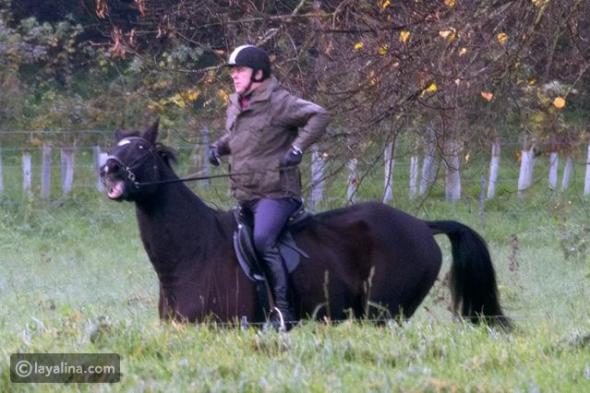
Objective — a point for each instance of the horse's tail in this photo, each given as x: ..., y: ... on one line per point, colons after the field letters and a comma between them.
x: 472, y: 278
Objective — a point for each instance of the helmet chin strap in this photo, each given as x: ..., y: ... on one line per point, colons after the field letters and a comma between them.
x: 248, y: 88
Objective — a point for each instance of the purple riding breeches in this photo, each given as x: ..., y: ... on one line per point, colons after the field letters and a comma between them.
x: 270, y: 217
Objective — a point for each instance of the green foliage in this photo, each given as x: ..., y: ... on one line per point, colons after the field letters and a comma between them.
x: 83, y: 71
x: 52, y: 79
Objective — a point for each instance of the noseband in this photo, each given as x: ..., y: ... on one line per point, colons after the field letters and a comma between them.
x: 129, y: 168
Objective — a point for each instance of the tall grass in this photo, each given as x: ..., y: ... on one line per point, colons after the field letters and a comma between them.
x: 75, y: 278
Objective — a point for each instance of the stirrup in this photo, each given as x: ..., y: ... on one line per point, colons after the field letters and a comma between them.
x: 282, y: 327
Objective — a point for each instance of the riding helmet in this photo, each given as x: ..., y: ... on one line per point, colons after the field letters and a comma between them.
x: 253, y: 57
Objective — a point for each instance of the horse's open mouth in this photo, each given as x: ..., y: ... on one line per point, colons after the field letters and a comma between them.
x: 115, y: 189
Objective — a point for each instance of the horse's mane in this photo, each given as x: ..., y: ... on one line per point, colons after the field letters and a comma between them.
x: 167, y: 154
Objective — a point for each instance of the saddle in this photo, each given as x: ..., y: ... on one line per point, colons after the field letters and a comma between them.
x: 246, y: 253
x: 251, y: 265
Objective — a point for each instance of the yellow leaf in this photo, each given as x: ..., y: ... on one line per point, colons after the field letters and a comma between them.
x: 384, y: 4
x: 448, y: 34
x: 373, y: 80
x: 404, y: 36
x: 222, y: 94
x: 537, y: 117
x: 36, y: 142
x: 358, y: 46
x: 532, y: 81
x: 487, y: 95
x: 432, y: 88
x: 450, y: 3
x: 191, y: 95
x: 153, y: 106
x: 177, y: 100
x: 538, y: 3
x: 502, y: 38
x: 462, y: 51
x: 383, y: 50
x: 559, y: 102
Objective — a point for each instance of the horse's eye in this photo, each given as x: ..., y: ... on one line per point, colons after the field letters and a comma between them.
x: 140, y: 147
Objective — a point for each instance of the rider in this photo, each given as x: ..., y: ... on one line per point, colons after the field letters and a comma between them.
x: 267, y: 131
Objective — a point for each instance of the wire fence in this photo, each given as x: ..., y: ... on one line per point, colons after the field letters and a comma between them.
x: 47, y: 169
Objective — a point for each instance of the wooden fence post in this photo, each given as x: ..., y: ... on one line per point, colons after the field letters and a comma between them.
x: 494, y: 167
x: 27, y: 174
x: 46, y: 172
x: 587, y: 178
x: 317, y: 178
x: 67, y: 169
x: 553, y: 167
x: 389, y: 165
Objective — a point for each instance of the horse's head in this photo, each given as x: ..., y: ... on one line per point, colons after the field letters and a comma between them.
x: 134, y: 163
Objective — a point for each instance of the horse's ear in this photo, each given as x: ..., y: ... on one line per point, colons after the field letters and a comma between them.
x: 151, y: 134
x: 118, y: 134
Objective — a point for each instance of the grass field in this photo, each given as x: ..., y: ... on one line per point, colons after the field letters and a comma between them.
x: 75, y: 278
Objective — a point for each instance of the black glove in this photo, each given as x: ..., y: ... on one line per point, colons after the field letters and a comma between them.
x: 292, y: 157
x: 213, y: 155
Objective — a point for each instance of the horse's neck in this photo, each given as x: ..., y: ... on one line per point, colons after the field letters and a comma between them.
x: 175, y: 226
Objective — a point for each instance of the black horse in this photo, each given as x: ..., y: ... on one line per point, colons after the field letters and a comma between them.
x: 366, y: 260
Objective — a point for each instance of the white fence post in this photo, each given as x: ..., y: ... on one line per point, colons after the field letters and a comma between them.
x: 567, y: 172
x: 1, y: 173
x: 352, y: 180
x: 27, y: 174
x: 389, y: 165
x: 494, y: 167
x: 429, y: 166
x: 100, y: 159
x: 553, y: 167
x: 317, y: 177
x: 46, y: 172
x: 452, y: 170
x: 67, y: 169
x: 525, y: 176
x: 204, y: 160
x: 413, y: 176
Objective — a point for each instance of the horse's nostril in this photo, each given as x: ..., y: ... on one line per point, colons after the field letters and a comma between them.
x: 113, y: 164
x: 110, y: 166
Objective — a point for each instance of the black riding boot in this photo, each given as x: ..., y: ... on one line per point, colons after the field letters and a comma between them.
x: 279, y: 283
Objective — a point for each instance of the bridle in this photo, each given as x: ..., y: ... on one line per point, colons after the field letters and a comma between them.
x: 129, y: 168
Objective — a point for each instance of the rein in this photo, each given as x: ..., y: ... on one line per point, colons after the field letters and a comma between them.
x: 151, y: 152
x: 192, y: 178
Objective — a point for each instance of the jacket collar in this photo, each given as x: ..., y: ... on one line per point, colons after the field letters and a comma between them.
x: 262, y: 93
